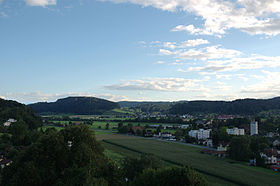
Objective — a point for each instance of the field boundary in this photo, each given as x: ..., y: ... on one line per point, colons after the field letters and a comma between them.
x: 179, y: 164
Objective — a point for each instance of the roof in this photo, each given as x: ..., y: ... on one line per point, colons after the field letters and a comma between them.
x: 270, y: 152
x: 5, y: 161
x: 135, y: 128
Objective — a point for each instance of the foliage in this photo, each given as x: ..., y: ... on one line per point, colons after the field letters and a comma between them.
x: 240, y: 106
x: 15, y: 110
x: 244, y: 148
x: 220, y: 135
x: 69, y: 157
x: 169, y: 177
x: 75, y: 105
x: 132, y: 167
x: 240, y: 148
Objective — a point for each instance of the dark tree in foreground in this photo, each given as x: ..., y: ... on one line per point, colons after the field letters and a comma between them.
x: 240, y: 148
x: 132, y: 167
x: 69, y: 157
x: 169, y: 177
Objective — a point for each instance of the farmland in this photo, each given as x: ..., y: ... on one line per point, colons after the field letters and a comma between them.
x: 114, y: 124
x: 223, y: 169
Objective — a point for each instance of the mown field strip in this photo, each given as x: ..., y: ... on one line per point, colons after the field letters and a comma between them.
x: 179, y: 154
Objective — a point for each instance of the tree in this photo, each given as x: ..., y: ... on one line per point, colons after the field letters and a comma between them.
x: 169, y: 177
x: 19, y: 131
x: 123, y: 129
x: 189, y: 139
x: 69, y: 157
x: 220, y: 136
x: 179, y: 133
x: 138, y: 132
x: 135, y: 166
x: 107, y: 126
x: 120, y: 125
x: 240, y: 148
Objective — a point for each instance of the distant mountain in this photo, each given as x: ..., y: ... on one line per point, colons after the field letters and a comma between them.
x: 240, y: 106
x: 20, y: 112
x: 75, y: 105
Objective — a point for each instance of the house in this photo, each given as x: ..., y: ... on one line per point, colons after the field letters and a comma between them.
x: 149, y: 133
x: 209, y: 143
x: 167, y: 136
x: 222, y: 146
x: 9, y: 122
x: 134, y: 129
x: 183, y: 126
x: 225, y: 117
x: 236, y: 131
x: 5, y: 162
x: 270, y: 134
x: 276, y: 143
x: 270, y: 156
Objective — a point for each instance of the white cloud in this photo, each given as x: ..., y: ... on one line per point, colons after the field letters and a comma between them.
x: 254, y: 17
x: 160, y: 84
x: 185, y: 44
x: 160, y: 62
x: 3, y: 14
x: 268, y: 87
x: 211, y: 52
x: 165, y: 52
x: 234, y: 64
x: 40, y: 2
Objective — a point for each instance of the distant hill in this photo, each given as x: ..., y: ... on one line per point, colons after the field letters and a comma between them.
x: 240, y: 106
x: 75, y: 105
x: 18, y: 111
x: 147, y: 106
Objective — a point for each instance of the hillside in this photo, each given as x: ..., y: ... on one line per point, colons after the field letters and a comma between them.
x: 148, y: 107
x: 18, y: 111
x: 75, y: 105
x: 240, y: 106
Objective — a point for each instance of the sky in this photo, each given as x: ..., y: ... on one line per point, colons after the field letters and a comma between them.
x: 152, y: 50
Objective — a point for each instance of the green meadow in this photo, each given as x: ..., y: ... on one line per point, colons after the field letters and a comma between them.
x: 221, y: 170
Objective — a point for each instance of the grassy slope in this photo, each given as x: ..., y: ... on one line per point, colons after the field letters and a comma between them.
x: 117, y: 153
x: 183, y: 154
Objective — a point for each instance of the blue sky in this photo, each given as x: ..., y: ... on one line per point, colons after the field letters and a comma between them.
x: 151, y: 50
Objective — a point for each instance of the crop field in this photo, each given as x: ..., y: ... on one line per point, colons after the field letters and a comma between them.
x: 221, y: 169
x: 109, y: 136
x: 112, y: 125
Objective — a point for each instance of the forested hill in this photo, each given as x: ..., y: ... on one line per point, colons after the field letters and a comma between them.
x: 240, y: 106
x: 75, y: 105
x: 22, y: 113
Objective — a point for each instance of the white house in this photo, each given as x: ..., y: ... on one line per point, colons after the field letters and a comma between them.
x: 236, y: 131
x: 183, y: 126
x: 9, y: 122
x: 200, y: 134
x: 270, y: 156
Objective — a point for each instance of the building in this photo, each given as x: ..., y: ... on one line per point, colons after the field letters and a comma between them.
x: 270, y: 156
x: 236, y: 131
x: 140, y: 129
x: 253, y: 128
x: 9, y: 122
x: 183, y: 126
x: 200, y: 134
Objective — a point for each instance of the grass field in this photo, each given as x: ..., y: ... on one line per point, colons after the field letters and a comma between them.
x: 113, y: 124
x: 224, y: 171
